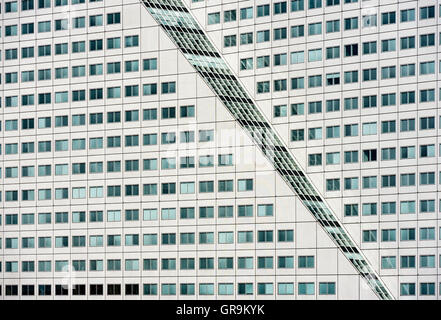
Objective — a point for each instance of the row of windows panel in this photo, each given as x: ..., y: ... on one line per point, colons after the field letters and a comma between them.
x: 149, y: 214
x: 115, y: 240
x: 131, y: 166
x: 99, y: 117
x: 79, y: 71
x: 94, y: 94
x: 367, y: 128
x: 352, y: 76
x: 316, y: 81
x: 148, y: 139
x: 62, y: 24
x: 390, y: 208
x: 169, y: 289
x: 267, y: 288
x: 386, y: 181
x: 405, y: 234
x: 298, y: 31
x: 371, y: 155
x: 206, y: 263
x: 387, y: 18
x: 353, y: 103
x: 151, y: 264
x: 76, y: 47
x: 26, y: 5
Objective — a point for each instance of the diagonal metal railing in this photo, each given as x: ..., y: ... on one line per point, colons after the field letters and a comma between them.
x: 179, y: 24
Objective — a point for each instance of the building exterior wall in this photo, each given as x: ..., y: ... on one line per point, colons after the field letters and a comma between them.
x: 83, y: 196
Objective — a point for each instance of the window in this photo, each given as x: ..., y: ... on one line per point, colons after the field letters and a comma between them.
x: 214, y: 18
x: 388, y: 99
x: 407, y: 70
x: 370, y: 47
x: 427, y: 40
x: 369, y: 20
x: 388, y: 126
x: 388, y: 208
x: 351, y: 130
x: 407, y: 234
x: 297, y: 109
x: 262, y: 36
x: 369, y: 182
x: 407, y: 15
x: 427, y: 12
x: 314, y: 4
x: 246, y: 38
x: 332, y: 158
x: 280, y: 59
x: 11, y: 30
x: 263, y: 10
x: 246, y: 64
x: 351, y: 76
x: 306, y: 288
x: 369, y: 235
x: 370, y: 74
x: 280, y: 33
x: 333, y: 132
x: 229, y: 41
x: 351, y: 103
x: 427, y: 150
x: 168, y: 87
x: 427, y: 67
x: 279, y: 7
x: 332, y: 26
x: 388, y: 235
x: 27, y: 28
x: 327, y: 288
x: 229, y: 15
x: 315, y: 81
x: 280, y: 111
x: 388, y: 72
x: 332, y: 79
x: 113, y: 18
x: 427, y: 233
x: 297, y: 31
x: 280, y: 85
x: 407, y: 43
x: 297, y: 5
x: 351, y: 183
x: 351, y: 23
x: 388, y: 154
x: 131, y: 41
x: 427, y: 123
x: 332, y: 53
x: 315, y: 28
x: 225, y: 185
x: 427, y: 95
x: 407, y: 179
x: 315, y: 159
x: 263, y: 62
x: 369, y: 128
x: 388, y: 17
x: 351, y: 50
x: 297, y: 83
x: 427, y: 206
x: 78, y: 46
x: 11, y: 6
x: 388, y: 262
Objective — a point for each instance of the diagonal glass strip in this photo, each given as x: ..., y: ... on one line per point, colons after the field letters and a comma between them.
x: 174, y: 17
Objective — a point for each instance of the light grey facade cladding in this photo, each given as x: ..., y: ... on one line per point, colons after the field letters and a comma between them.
x: 122, y: 162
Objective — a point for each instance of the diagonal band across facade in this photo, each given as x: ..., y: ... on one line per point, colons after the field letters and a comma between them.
x: 182, y: 28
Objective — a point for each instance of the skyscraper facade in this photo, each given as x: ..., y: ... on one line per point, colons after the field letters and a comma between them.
x: 187, y: 149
